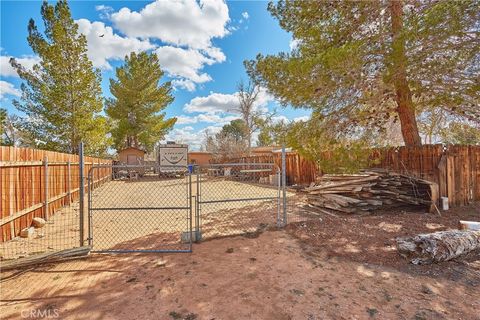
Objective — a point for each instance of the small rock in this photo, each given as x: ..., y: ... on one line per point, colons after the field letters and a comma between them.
x: 372, y: 312
x: 426, y: 289
x: 161, y: 263
x: 297, y: 292
x: 229, y: 250
x: 38, y: 222
x: 27, y: 232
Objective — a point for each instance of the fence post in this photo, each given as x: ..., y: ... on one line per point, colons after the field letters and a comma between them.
x: 284, y: 184
x: 81, y: 190
x: 45, y: 191
x: 69, y: 183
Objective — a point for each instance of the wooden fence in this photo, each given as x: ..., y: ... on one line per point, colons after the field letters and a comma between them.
x: 36, y: 183
x: 456, y: 169
x: 299, y: 170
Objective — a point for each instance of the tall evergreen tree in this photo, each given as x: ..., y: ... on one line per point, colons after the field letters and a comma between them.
x: 138, y: 102
x: 361, y: 63
x: 61, y: 95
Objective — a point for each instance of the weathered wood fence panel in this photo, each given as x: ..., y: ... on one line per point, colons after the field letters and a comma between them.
x: 36, y: 183
x: 299, y: 170
x: 456, y: 168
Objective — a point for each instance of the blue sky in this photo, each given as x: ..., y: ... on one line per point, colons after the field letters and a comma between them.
x: 201, y: 46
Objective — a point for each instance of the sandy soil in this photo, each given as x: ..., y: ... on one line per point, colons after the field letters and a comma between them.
x: 371, y: 239
x: 272, y: 276
x: 153, y: 229
x: 325, y: 267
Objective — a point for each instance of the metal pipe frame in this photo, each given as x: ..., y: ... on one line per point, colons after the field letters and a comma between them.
x: 236, y: 200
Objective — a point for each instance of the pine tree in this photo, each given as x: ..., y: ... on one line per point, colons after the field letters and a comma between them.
x: 359, y: 64
x: 61, y: 95
x: 138, y: 102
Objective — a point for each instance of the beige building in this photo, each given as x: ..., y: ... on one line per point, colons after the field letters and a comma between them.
x: 200, y: 158
x: 131, y: 156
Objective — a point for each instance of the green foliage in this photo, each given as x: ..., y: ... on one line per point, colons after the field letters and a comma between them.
x: 237, y: 129
x: 273, y: 133
x: 346, y: 61
x: 315, y: 141
x: 3, y: 120
x: 264, y: 138
x: 138, y: 102
x: 61, y: 96
x: 461, y: 133
x: 230, y: 142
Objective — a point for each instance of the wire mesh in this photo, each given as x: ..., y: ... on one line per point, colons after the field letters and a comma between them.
x: 142, y: 209
x: 40, y: 209
x: 237, y: 198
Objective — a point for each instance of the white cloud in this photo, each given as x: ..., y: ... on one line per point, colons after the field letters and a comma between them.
x: 188, y: 85
x: 103, y: 44
x: 194, y: 139
x: 302, y: 118
x: 6, y: 70
x: 185, y: 120
x: 280, y: 118
x: 104, y: 10
x: 182, y: 23
x: 6, y: 88
x: 185, y: 64
x: 294, y: 44
x: 223, y: 103
x: 206, y: 118
x: 214, y: 102
x: 245, y: 15
x: 188, y: 128
x: 186, y: 29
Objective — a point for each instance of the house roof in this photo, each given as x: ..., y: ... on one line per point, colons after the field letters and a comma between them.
x: 264, y: 149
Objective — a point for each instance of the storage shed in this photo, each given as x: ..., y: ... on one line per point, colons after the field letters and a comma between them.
x: 131, y: 156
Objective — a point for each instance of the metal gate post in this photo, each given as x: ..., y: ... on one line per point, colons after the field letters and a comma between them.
x: 89, y: 212
x: 190, y: 206
x: 279, y: 187
x: 81, y: 191
x: 284, y: 184
x: 197, y: 208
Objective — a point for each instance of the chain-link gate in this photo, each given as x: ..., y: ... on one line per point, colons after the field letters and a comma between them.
x: 237, y: 198
x: 165, y: 209
x: 141, y: 209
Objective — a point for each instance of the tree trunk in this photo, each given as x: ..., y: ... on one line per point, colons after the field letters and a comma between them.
x: 405, y: 108
x: 438, y: 246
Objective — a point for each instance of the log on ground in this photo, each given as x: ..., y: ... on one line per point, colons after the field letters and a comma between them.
x: 438, y: 246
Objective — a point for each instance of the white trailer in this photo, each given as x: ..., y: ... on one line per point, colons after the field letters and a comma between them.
x: 172, y: 157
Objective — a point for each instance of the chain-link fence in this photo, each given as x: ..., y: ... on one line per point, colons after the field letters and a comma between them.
x: 40, y: 207
x: 142, y: 209
x: 237, y: 198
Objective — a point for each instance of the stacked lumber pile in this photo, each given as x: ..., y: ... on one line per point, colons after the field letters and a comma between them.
x: 370, y: 190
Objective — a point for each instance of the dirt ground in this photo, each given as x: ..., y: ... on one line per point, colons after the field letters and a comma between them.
x: 323, y: 268
x: 151, y: 229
